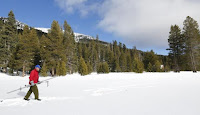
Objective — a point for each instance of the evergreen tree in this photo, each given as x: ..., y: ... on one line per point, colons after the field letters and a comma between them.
x: 56, y: 47
x: 9, y: 40
x: 123, y: 62
x: 149, y: 68
x: 176, y: 44
x: 44, y: 70
x: 35, y: 46
x: 129, y: 63
x: 93, y: 55
x: 138, y: 65
x: 115, y: 66
x: 110, y: 58
x: 58, y: 72
x: 191, y: 35
x: 167, y: 68
x: 83, y: 70
x: 103, y: 68
x: 156, y: 67
x: 70, y: 48
x: 89, y: 67
x: 45, y: 50
x: 63, y: 69
x: 150, y: 57
x: 26, y: 50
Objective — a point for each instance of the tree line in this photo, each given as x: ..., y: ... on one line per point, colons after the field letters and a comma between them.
x: 59, y: 54
x: 184, y: 46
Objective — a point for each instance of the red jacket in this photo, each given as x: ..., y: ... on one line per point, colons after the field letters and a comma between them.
x: 34, y: 76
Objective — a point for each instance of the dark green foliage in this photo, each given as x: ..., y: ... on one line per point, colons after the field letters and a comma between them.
x: 103, y: 68
x: 129, y: 63
x: 150, y: 57
x: 89, y: 66
x: 63, y: 69
x: 156, y: 67
x: 70, y: 48
x: 44, y: 70
x: 55, y: 46
x: 176, y: 44
x: 8, y: 40
x: 26, y: 49
x: 138, y: 65
x: 83, y: 69
x: 184, y: 47
x: 123, y: 62
x: 149, y: 68
x: 115, y: 66
x: 192, y: 38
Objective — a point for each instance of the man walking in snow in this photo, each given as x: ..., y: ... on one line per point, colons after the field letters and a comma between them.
x: 33, y: 80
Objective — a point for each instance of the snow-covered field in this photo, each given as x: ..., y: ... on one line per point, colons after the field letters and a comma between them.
x: 106, y: 94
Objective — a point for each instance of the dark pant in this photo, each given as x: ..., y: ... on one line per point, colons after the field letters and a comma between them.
x: 33, y: 89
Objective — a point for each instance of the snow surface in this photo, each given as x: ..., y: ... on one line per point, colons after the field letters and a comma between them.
x: 106, y: 94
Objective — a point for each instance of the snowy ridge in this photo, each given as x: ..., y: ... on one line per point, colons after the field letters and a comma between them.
x: 77, y: 36
x: 21, y: 25
x: 45, y: 30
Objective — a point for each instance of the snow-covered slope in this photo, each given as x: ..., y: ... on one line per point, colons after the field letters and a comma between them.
x: 106, y: 94
x: 21, y: 25
x: 78, y: 36
x: 45, y: 30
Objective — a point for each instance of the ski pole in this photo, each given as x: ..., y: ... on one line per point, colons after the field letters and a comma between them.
x: 27, y: 86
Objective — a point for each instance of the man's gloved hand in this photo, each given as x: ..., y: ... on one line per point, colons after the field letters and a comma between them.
x: 39, y: 82
x: 32, y: 83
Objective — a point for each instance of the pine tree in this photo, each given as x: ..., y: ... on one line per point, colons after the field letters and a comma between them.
x: 138, y: 65
x: 156, y: 67
x: 83, y: 70
x: 89, y: 67
x: 35, y: 45
x: 149, y: 57
x: 26, y: 50
x: 191, y: 35
x: 167, y: 68
x: 63, y: 69
x: 85, y: 52
x: 44, y: 70
x: 115, y: 66
x: 93, y: 55
x: 149, y: 68
x: 103, y: 68
x: 176, y: 44
x: 58, y: 72
x: 123, y: 62
x: 129, y: 62
x: 70, y: 48
x: 56, y: 47
x: 45, y: 50
x: 9, y: 39
x: 109, y: 58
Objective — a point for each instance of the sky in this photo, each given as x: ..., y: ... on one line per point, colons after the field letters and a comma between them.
x: 141, y: 23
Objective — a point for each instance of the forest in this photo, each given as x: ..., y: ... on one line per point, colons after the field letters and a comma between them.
x: 59, y: 54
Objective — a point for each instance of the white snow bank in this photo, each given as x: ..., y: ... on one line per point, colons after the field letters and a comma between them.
x: 106, y: 94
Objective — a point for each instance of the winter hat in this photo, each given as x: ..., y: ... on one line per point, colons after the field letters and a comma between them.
x: 38, y: 66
